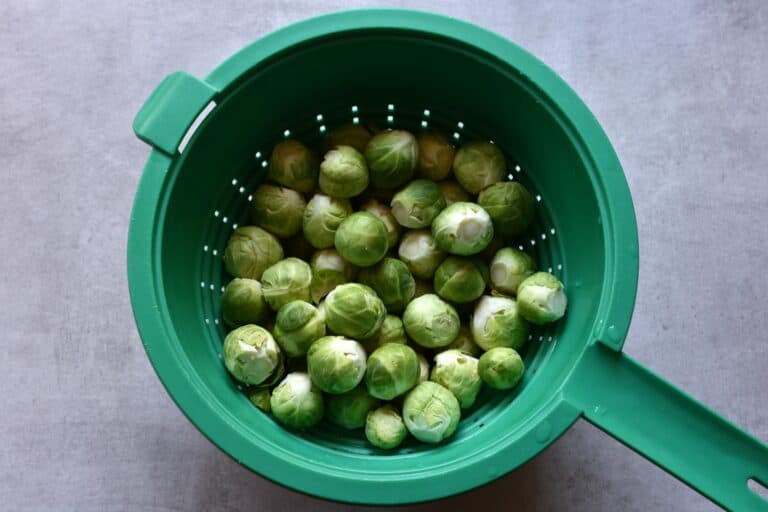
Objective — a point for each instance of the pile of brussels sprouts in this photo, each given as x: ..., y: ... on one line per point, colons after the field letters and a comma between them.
x: 377, y: 288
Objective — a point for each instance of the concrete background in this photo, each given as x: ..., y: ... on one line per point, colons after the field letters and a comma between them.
x: 680, y: 87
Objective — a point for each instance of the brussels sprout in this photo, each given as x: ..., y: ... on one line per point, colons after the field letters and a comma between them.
x: 384, y: 428
x: 497, y: 322
x: 431, y: 322
x: 322, y: 218
x: 435, y: 156
x: 298, y: 247
x: 417, y: 204
x: 541, y: 298
x: 293, y: 165
x: 509, y: 268
x: 392, y: 282
x: 392, y: 370
x: 510, y: 206
x: 285, y: 281
x: 260, y: 398
x: 362, y: 239
x: 336, y: 364
x: 452, y: 192
x: 420, y: 253
x: 431, y: 412
x: 296, y: 403
x: 501, y: 368
x: 350, y: 409
x: 343, y: 172
x: 297, y: 325
x: 463, y: 229
x: 384, y: 214
x: 251, y: 354
x: 329, y: 270
x: 392, y: 157
x: 391, y: 331
x: 354, y: 310
x: 460, y: 280
x: 278, y: 210
x: 457, y: 372
x: 243, y: 303
x: 478, y: 165
x: 250, y: 251
x: 354, y: 135
x: 465, y: 343
x: 423, y: 369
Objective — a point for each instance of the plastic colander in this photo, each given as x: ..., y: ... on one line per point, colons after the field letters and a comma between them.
x: 211, y: 140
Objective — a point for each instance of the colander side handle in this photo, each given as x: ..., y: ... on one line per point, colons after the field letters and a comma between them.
x: 670, y: 428
x: 178, y: 103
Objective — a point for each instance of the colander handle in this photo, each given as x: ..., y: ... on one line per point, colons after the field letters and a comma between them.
x: 172, y: 110
x: 670, y: 428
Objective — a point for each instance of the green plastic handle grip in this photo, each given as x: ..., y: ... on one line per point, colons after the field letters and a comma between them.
x: 171, y: 109
x: 670, y: 428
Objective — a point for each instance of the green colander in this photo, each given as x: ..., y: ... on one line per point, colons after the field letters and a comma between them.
x: 211, y: 140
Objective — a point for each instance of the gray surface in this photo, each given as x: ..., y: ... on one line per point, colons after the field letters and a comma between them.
x: 84, y: 423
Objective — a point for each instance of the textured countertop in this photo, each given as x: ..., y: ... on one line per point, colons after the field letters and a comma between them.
x: 681, y: 88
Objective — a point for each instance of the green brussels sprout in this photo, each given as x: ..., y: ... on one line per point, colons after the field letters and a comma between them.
x: 417, y: 204
x: 298, y: 247
x: 329, y: 270
x: 260, y: 398
x: 431, y: 322
x: 279, y: 210
x: 349, y: 410
x: 362, y: 239
x: 435, y: 156
x: 541, y: 298
x: 509, y: 268
x: 354, y: 310
x: 478, y: 165
x: 293, y: 165
x: 354, y: 135
x: 463, y: 229
x: 243, y: 303
x: 457, y: 372
x: 286, y: 281
x: 392, y: 157
x: 420, y: 253
x: 250, y: 251
x: 297, y: 325
x: 391, y: 331
x: 343, y: 173
x: 465, y: 343
x: 384, y: 214
x: 384, y: 428
x: 392, y: 282
x: 497, y: 322
x: 336, y: 364
x: 423, y: 369
x: 431, y: 412
x: 453, y: 193
x: 251, y: 354
x: 392, y: 369
x: 422, y: 288
x: 460, y: 280
x: 296, y: 402
x: 510, y: 206
x: 501, y: 368
x: 322, y: 218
